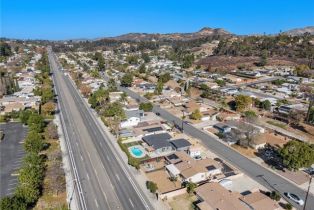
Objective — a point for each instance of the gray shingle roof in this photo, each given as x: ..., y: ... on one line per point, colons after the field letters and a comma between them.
x: 158, y: 141
x: 180, y: 143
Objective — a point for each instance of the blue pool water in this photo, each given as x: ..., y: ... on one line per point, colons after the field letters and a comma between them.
x: 136, y: 152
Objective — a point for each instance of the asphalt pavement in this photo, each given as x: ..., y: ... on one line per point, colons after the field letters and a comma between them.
x: 11, y: 156
x: 105, y: 180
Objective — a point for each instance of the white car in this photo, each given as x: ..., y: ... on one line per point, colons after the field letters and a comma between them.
x: 295, y: 198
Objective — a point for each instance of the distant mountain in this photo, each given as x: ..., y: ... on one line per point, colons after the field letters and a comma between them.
x: 300, y: 31
x: 204, y: 32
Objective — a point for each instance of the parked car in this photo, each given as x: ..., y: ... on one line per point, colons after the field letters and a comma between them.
x: 294, y: 198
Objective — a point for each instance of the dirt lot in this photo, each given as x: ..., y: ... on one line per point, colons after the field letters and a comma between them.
x: 249, y: 152
x: 183, y: 202
x: 230, y: 63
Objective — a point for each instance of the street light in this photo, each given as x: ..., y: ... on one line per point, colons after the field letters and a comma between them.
x: 308, y: 190
x: 71, y: 196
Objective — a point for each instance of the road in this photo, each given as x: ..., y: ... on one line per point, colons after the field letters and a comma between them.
x: 103, y: 180
x: 260, y: 174
x: 11, y: 156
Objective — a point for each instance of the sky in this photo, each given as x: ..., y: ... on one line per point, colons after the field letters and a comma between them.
x: 76, y: 19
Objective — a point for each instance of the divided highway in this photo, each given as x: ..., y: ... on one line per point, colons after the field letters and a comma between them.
x: 102, y: 179
x: 260, y: 174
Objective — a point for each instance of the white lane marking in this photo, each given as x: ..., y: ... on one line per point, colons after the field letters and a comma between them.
x: 108, y: 158
x: 131, y: 202
x: 81, y: 157
x: 87, y: 176
x: 10, y: 189
x: 14, y: 183
x: 76, y: 144
x: 96, y: 203
x: 118, y: 177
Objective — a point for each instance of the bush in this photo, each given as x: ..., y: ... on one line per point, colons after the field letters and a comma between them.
x: 12, y: 203
x: 288, y: 206
x: 33, y: 142
x: 152, y: 186
x: 190, y: 187
x: 275, y: 195
x: 24, y: 115
x: 52, y: 131
x: 36, y: 122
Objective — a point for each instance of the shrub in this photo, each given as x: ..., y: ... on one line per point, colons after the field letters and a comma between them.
x: 146, y: 107
x: 152, y: 186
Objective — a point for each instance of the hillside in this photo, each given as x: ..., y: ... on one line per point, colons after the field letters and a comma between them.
x: 204, y: 32
x: 300, y: 31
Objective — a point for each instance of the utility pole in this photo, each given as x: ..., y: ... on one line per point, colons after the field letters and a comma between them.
x: 308, y: 190
x: 182, y: 121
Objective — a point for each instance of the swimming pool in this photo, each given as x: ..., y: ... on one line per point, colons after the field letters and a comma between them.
x: 137, y: 151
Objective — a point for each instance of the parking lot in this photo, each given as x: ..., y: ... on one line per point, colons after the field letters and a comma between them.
x: 12, y: 153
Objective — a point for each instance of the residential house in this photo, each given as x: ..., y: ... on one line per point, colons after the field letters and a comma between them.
x: 173, y: 85
x: 158, y: 144
x: 13, y: 103
x: 132, y: 118
x: 181, y: 144
x: 192, y: 170
x: 259, y: 201
x: 214, y: 196
x: 222, y: 128
x: 191, y: 106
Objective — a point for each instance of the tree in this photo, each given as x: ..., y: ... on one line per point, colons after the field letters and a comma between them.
x: 101, y: 61
x: 243, y: 102
x: 190, y: 188
x: 302, y: 70
x: 146, y: 107
x: 47, y: 95
x: 296, y: 154
x: 142, y: 69
x: 196, y: 115
x: 127, y: 80
x: 85, y: 90
x: 220, y: 82
x: 132, y: 59
x: 159, y: 88
x: 24, y: 115
x: 295, y: 117
x: 112, y: 86
x: 145, y: 57
x: 36, y: 122
x: 33, y: 142
x: 266, y: 105
x: 99, y: 97
x: 48, y: 108
x: 114, y: 109
x: 263, y: 58
x: 95, y: 73
x: 164, y: 77
x: 5, y: 49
